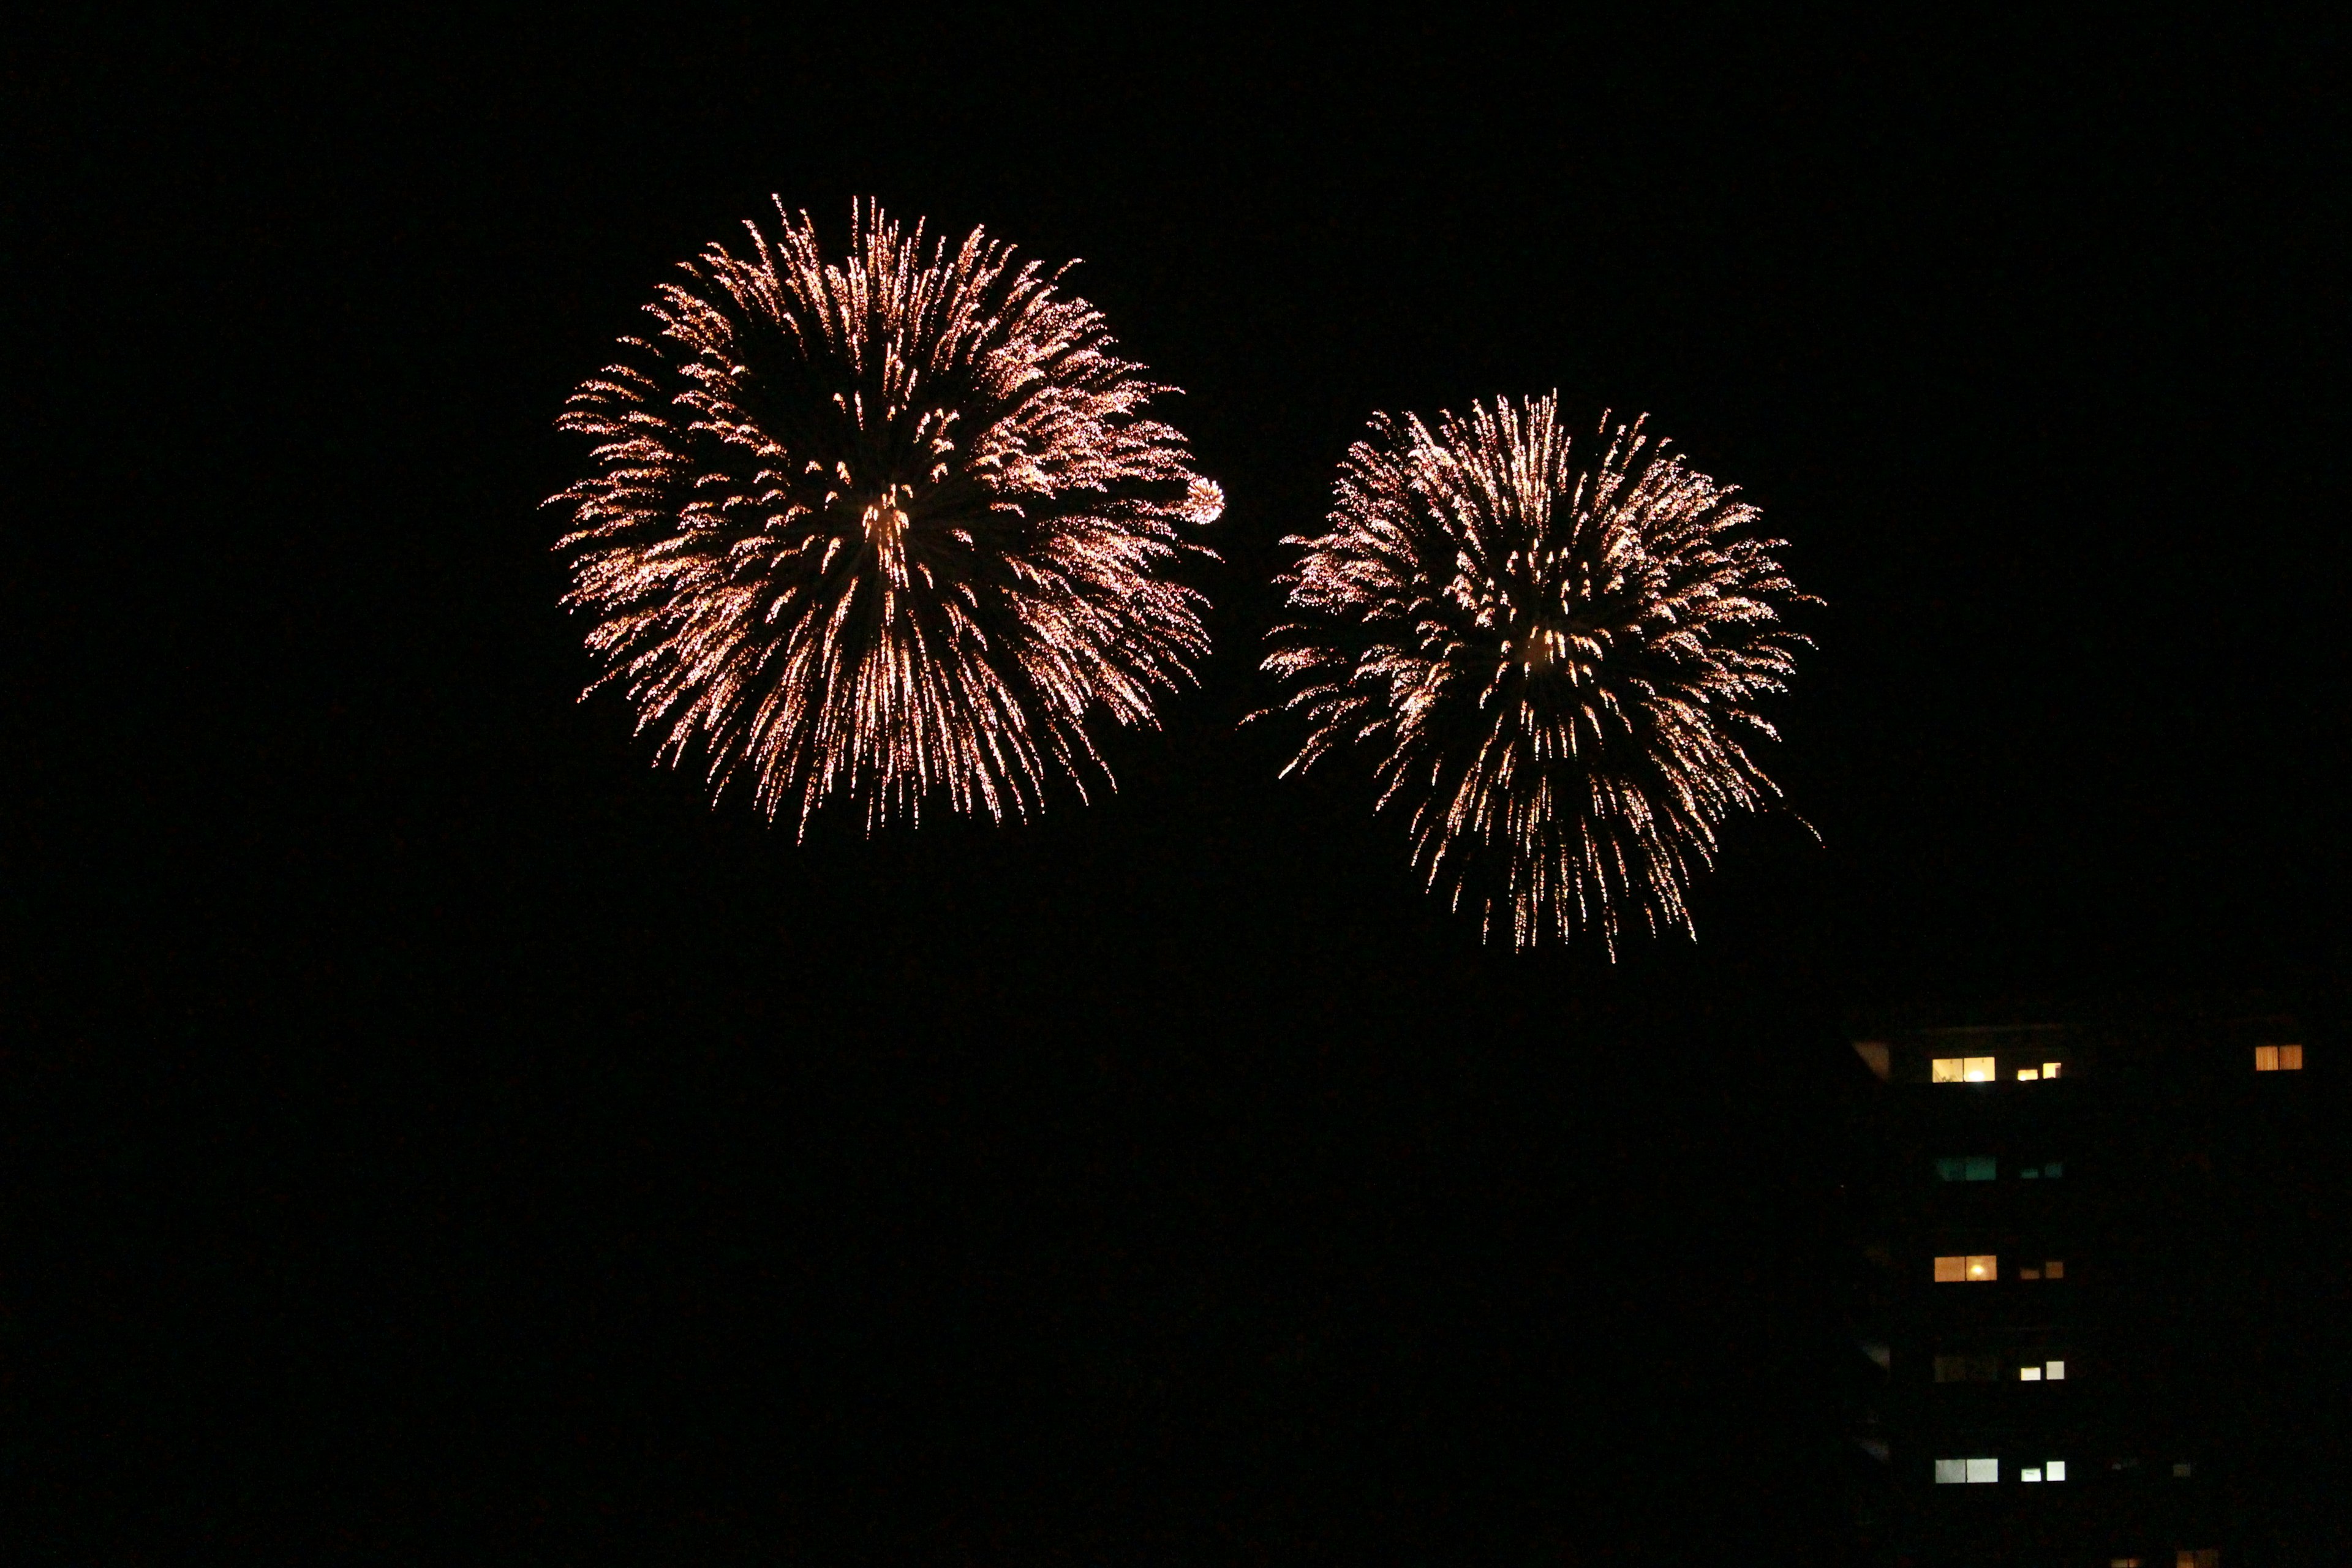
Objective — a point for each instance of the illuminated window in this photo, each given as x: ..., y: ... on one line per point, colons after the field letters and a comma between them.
x: 2123, y: 1562
x: 2032, y: 1172
x: 2052, y: 1471
x: 2050, y: 1069
x: 2053, y: 1269
x: 2205, y: 1557
x: 1961, y: 1069
x: 2278, y: 1058
x: 1967, y: 1472
x: 1968, y: 1167
x: 2028, y: 1475
x: 2180, y: 1469
x: 2029, y: 1374
x: 2055, y: 1371
x: 1968, y: 1269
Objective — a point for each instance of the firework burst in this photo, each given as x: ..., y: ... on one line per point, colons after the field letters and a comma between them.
x: 1553, y: 655
x: 889, y: 526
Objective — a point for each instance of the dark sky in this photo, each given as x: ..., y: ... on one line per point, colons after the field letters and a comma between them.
x: 441, y: 1136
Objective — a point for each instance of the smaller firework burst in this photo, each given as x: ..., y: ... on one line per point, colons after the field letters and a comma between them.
x: 1554, y: 655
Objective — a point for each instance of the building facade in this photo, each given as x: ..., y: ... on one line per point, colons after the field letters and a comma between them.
x: 2101, y: 1266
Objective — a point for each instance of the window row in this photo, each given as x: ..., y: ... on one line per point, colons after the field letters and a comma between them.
x: 1987, y: 1069
x: 1983, y: 1472
x: 1987, y: 1168
x: 1989, y: 1367
x: 1983, y: 1268
x: 2186, y: 1557
x: 1984, y: 1070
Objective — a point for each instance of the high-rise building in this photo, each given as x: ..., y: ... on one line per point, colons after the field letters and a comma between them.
x: 2102, y: 1265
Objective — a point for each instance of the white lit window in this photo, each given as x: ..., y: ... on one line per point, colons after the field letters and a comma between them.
x: 2053, y: 1471
x: 1967, y: 1472
x: 1966, y: 1269
x: 2028, y: 1475
x: 2029, y: 1374
x: 2054, y: 1370
x: 1961, y: 1069
x: 2278, y: 1058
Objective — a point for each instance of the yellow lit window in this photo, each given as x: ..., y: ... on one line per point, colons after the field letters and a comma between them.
x: 2027, y: 1075
x: 2205, y: 1557
x: 2278, y: 1058
x: 2053, y: 1269
x: 1967, y: 1269
x: 1961, y: 1069
x: 2050, y: 1069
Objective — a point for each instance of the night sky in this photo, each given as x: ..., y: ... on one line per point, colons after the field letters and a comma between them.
x: 436, y: 1134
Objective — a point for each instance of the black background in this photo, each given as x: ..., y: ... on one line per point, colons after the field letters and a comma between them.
x: 437, y: 1135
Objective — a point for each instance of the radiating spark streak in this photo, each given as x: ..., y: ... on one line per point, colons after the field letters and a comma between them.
x: 884, y: 527
x: 1554, y: 656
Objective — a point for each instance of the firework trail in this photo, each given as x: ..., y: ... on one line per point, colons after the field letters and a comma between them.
x: 881, y: 527
x: 1553, y: 657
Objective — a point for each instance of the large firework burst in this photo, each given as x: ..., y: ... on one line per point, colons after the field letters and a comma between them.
x: 881, y: 527
x: 1554, y: 656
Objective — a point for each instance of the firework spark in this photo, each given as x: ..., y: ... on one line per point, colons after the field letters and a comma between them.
x: 882, y: 527
x: 1553, y: 655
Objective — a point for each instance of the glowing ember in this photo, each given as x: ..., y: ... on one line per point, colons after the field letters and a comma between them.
x: 1554, y: 659
x: 882, y: 527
